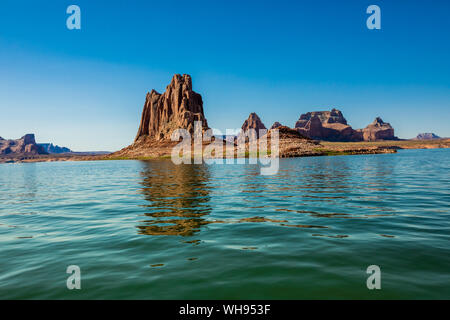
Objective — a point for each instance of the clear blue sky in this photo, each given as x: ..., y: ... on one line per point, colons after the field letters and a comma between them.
x: 85, y: 89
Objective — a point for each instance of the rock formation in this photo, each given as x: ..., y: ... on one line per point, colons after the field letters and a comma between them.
x: 378, y: 130
x: 23, y: 146
x: 178, y: 107
x: 253, y: 122
x: 327, y: 125
x: 292, y: 143
x: 51, y: 148
x: 427, y: 136
x: 275, y: 125
x: 332, y: 126
x: 333, y: 116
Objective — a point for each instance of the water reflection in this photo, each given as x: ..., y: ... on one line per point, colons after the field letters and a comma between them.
x: 29, y: 181
x: 178, y: 198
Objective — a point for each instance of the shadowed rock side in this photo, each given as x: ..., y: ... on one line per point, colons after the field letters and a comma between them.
x: 23, y: 146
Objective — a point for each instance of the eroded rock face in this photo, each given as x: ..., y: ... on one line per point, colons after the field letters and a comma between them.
x: 25, y: 145
x: 252, y: 122
x: 378, y: 130
x: 333, y: 116
x: 177, y: 108
x: 327, y: 125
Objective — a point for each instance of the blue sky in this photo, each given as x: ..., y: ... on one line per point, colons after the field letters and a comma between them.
x: 85, y: 89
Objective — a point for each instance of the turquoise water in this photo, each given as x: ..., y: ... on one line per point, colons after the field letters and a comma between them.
x: 153, y: 230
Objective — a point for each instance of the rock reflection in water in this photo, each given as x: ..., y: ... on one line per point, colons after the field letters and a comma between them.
x: 178, y: 198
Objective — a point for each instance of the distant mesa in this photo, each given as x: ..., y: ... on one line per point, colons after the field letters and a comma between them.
x: 27, y: 146
x: 54, y: 149
x: 24, y: 146
x: 427, y: 136
x: 178, y: 107
x: 332, y: 126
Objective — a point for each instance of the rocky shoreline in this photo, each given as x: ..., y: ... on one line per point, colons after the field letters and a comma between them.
x: 324, y: 148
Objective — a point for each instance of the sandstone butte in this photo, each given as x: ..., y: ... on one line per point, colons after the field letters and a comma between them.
x: 332, y: 126
x: 177, y: 108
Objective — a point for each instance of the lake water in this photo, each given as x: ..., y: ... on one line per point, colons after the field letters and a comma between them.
x: 153, y: 230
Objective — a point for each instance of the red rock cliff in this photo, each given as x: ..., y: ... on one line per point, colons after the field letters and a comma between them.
x: 178, y: 107
x: 378, y: 130
x: 327, y: 125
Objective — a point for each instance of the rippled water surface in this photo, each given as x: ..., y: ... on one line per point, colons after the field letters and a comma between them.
x: 153, y: 230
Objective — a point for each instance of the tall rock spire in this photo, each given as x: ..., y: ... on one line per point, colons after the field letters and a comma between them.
x: 177, y: 108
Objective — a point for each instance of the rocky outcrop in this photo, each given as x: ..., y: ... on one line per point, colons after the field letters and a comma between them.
x: 23, y: 146
x: 333, y: 116
x: 275, y: 125
x: 252, y: 122
x: 427, y: 136
x: 327, y: 125
x: 332, y: 126
x: 378, y: 130
x: 51, y: 148
x: 291, y: 143
x: 177, y: 108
